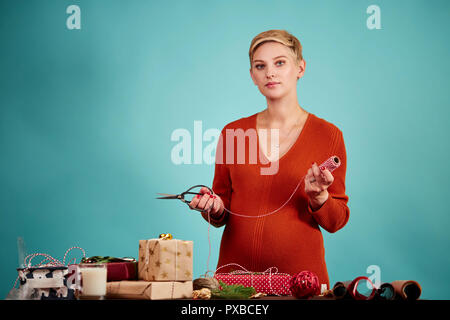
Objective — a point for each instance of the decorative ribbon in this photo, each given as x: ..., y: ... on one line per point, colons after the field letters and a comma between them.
x: 165, y: 236
x: 49, y: 261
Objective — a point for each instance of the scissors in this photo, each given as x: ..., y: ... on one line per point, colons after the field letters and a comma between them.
x: 188, y: 191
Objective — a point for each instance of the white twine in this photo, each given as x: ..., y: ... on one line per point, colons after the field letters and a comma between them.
x: 52, y: 262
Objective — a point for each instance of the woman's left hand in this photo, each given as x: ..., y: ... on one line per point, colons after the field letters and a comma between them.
x: 317, y: 181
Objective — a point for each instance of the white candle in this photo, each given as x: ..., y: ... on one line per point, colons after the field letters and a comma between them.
x: 94, y: 280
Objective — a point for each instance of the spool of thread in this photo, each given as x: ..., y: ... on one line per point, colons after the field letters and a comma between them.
x: 304, y: 285
x: 332, y: 163
x: 209, y: 283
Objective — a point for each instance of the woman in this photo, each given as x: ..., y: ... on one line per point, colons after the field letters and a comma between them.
x: 289, y: 239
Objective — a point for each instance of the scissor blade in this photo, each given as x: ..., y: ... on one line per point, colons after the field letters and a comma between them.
x: 167, y: 196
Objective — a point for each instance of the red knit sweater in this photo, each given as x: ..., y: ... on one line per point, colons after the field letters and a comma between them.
x: 290, y: 239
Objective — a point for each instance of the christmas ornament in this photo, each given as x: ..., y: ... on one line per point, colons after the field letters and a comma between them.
x: 304, y: 285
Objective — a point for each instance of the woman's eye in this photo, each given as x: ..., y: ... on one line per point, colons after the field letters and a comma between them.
x: 261, y: 65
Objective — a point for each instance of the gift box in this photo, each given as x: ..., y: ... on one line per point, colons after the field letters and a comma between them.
x: 154, y: 290
x: 268, y: 283
x: 165, y: 260
x: 45, y: 283
x: 117, y: 268
x: 117, y: 271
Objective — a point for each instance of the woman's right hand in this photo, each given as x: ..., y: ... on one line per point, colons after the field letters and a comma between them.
x: 205, y: 200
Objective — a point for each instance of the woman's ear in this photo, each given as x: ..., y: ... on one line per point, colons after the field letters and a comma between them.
x: 301, y: 69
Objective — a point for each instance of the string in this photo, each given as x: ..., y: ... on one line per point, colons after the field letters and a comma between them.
x: 240, y: 215
x: 331, y: 164
x: 52, y: 262
x: 269, y: 213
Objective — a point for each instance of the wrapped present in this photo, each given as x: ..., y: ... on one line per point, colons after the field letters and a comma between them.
x: 45, y: 283
x: 269, y: 282
x: 154, y: 290
x: 117, y: 271
x: 117, y: 268
x: 46, y: 280
x: 165, y: 260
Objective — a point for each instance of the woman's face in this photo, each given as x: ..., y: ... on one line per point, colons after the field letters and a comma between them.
x: 274, y: 62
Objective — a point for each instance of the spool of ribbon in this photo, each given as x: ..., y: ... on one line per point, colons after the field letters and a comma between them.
x: 332, y: 163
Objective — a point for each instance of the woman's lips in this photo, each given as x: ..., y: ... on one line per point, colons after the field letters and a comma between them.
x: 272, y: 84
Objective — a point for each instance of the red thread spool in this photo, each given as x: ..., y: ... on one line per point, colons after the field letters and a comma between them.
x: 332, y: 163
x: 304, y: 285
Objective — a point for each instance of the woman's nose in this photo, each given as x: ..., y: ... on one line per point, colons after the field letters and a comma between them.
x: 269, y: 73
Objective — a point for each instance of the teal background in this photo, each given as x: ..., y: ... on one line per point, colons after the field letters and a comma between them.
x: 86, y: 117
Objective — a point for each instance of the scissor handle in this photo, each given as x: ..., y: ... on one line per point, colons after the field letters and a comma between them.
x: 199, y: 185
x: 188, y: 191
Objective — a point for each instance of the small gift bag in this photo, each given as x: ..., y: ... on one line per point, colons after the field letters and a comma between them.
x: 46, y: 283
x: 165, y: 260
x: 46, y: 280
x: 269, y: 282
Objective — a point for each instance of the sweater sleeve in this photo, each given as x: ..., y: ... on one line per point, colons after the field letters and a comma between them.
x: 221, y: 182
x: 334, y: 212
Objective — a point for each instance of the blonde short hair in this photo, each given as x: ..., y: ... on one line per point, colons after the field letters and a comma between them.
x: 281, y: 36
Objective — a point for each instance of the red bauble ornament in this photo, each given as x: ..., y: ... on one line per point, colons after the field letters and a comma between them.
x: 304, y: 285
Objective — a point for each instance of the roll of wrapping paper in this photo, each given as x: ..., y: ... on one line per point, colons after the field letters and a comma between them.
x: 386, y: 292
x: 407, y: 289
x: 340, y: 289
x: 349, y: 289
